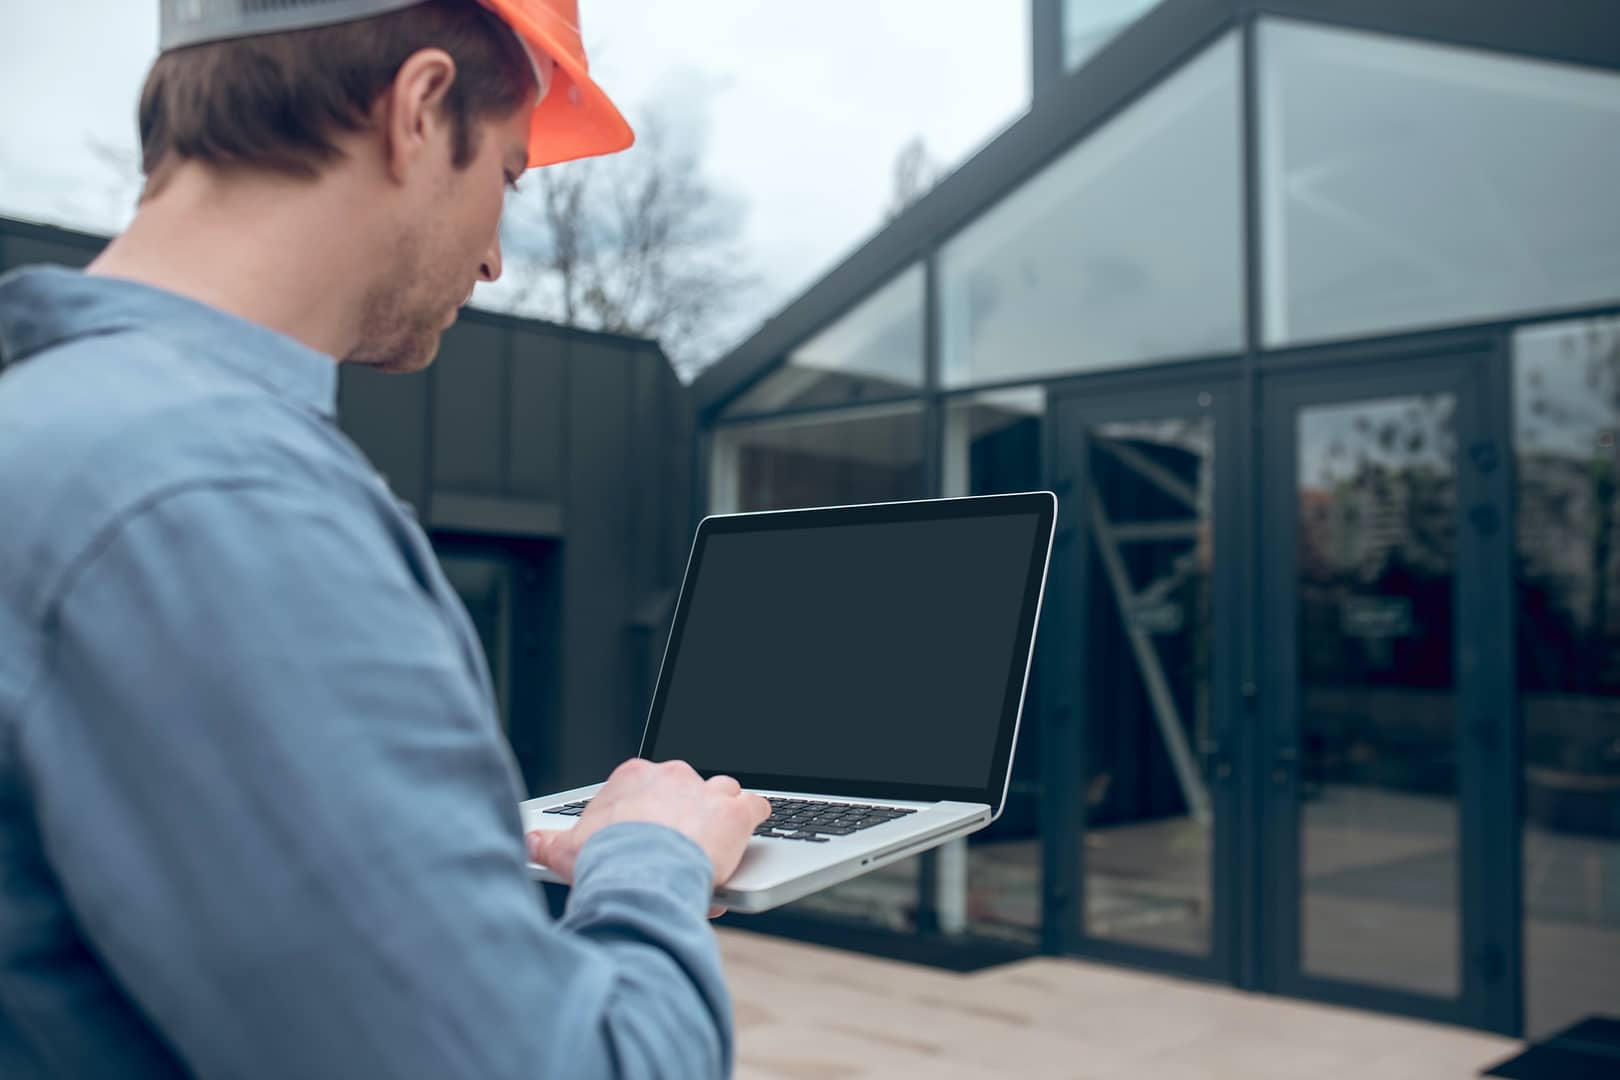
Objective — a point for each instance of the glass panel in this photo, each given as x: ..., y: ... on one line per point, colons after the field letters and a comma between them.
x: 875, y: 351
x: 1568, y: 424
x: 1088, y: 25
x: 993, y: 442
x: 1148, y: 656
x: 1377, y: 504
x: 873, y: 455
x: 1409, y: 184
x: 993, y: 445
x: 1128, y: 248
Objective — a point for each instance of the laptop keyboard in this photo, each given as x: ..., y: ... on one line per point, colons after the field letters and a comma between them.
x: 800, y: 819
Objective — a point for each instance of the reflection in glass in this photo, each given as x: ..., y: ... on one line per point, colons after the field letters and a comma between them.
x: 1150, y: 513
x: 1567, y: 408
x: 1407, y: 184
x: 859, y: 456
x: 1378, y: 825
x: 875, y: 351
x: 1125, y: 249
x: 993, y: 442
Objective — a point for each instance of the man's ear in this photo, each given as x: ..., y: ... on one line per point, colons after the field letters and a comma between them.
x: 414, y: 122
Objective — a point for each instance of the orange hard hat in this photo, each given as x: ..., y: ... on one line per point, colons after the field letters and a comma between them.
x: 575, y: 119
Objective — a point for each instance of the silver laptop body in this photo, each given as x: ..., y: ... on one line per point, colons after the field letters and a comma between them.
x: 841, y: 617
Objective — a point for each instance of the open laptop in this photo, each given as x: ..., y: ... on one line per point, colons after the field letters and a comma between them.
x: 863, y: 667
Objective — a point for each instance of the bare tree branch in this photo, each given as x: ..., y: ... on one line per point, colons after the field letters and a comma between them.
x: 915, y: 174
x: 638, y: 244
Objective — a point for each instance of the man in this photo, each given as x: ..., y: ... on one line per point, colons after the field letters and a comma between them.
x: 256, y: 817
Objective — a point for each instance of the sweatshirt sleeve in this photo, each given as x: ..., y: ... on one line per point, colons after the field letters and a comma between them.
x: 280, y: 807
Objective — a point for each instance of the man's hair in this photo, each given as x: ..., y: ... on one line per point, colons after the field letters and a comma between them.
x: 278, y: 101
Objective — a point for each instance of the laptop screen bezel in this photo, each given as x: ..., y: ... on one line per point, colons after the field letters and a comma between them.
x: 1041, y: 504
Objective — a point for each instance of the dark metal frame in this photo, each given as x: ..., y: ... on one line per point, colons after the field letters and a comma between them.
x: 1483, y: 714
x: 1067, y: 108
x: 1072, y: 414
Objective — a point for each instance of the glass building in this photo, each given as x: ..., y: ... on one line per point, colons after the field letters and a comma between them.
x: 1309, y: 311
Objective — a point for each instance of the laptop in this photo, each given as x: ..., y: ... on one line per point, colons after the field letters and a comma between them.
x: 862, y: 667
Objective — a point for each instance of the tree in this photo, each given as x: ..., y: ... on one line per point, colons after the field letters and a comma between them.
x: 915, y: 174
x: 637, y: 243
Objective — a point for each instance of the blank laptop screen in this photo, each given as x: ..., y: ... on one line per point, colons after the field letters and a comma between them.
x: 874, y: 653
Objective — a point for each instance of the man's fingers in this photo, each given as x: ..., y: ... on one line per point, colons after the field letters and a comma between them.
x: 678, y: 768
x: 727, y: 784
x: 550, y: 848
x: 541, y: 844
x: 716, y: 912
x: 631, y: 767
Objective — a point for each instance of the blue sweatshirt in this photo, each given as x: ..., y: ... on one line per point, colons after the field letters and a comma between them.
x: 256, y: 815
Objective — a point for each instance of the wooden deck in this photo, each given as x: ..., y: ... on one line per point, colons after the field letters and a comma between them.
x: 808, y: 1013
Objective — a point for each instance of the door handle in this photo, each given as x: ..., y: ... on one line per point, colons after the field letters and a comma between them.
x: 1284, y: 758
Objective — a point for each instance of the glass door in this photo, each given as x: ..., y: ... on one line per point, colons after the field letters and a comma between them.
x: 1380, y: 541
x: 1143, y: 669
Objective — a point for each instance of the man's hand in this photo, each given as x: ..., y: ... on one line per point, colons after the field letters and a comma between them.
x: 714, y: 813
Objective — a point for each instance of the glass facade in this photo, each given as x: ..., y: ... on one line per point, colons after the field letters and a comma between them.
x: 858, y: 456
x: 1567, y: 430
x: 1126, y: 249
x: 1407, y: 185
x: 992, y: 442
x: 1303, y: 732
x: 875, y: 351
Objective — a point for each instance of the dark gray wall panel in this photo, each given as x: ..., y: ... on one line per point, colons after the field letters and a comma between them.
x: 661, y: 433
x: 386, y: 415
x: 28, y: 250
x: 492, y: 515
x: 469, y: 417
x: 538, y: 673
x: 601, y: 728
x: 536, y: 416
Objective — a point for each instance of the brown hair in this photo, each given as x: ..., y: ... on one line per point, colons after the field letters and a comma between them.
x: 276, y: 101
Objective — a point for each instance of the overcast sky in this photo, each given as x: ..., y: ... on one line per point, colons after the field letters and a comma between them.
x: 807, y: 103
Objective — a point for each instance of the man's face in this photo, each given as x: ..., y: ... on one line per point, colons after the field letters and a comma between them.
x: 450, y: 242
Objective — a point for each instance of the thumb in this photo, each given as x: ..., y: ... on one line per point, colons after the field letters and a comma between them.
x: 551, y: 849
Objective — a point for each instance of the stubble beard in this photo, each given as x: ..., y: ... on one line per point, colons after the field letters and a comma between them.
x: 402, y: 316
